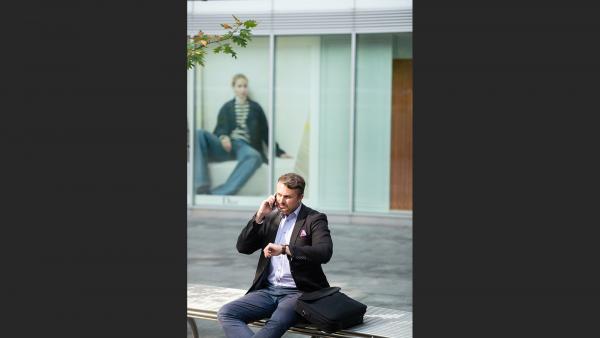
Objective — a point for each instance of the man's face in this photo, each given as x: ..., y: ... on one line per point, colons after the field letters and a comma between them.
x: 287, y: 199
x: 240, y: 88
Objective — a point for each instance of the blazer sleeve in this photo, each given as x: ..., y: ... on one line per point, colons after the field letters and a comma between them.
x: 321, y: 249
x: 252, y: 236
x: 223, y: 126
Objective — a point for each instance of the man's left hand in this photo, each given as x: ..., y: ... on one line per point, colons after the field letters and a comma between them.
x: 273, y: 249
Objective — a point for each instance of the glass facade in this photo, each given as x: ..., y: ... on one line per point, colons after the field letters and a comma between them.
x: 329, y: 107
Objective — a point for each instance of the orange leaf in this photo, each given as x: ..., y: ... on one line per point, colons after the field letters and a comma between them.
x: 226, y: 26
x: 204, y: 43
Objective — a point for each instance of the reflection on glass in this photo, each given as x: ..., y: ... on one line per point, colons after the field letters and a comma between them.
x: 312, y: 112
x: 296, y: 104
x: 334, y: 122
x: 374, y: 151
x: 241, y: 134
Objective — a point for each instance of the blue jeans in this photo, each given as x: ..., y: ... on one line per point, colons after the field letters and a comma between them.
x: 275, y: 302
x: 209, y: 149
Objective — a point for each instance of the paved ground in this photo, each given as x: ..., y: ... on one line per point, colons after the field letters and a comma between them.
x: 371, y: 263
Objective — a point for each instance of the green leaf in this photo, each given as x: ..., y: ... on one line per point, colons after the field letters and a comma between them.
x: 250, y: 23
x: 240, y: 41
x: 228, y: 50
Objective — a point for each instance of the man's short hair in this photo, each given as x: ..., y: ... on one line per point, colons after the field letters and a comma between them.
x: 293, y: 181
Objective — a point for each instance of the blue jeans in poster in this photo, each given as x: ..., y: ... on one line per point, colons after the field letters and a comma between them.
x: 208, y: 148
x: 278, y: 303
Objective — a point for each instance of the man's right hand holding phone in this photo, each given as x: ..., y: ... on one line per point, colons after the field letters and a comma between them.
x: 265, y: 208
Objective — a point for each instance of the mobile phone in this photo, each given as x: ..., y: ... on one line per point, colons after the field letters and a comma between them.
x: 274, y: 205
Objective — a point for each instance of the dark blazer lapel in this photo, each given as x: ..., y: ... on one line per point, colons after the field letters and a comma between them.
x: 299, y: 223
x: 273, y: 227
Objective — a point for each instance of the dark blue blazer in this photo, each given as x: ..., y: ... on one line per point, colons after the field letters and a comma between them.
x: 256, y: 122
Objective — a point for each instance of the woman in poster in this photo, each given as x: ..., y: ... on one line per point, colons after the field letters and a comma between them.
x: 239, y: 135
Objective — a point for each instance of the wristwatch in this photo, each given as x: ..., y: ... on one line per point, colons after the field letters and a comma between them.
x: 283, y: 250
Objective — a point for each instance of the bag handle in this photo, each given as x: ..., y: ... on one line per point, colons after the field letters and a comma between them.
x: 319, y: 293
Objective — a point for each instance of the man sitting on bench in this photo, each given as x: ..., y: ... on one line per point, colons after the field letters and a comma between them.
x: 295, y: 241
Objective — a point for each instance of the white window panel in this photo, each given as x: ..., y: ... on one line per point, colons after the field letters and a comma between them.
x: 305, y: 17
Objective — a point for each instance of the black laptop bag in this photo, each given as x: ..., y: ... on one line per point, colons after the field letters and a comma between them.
x: 330, y: 310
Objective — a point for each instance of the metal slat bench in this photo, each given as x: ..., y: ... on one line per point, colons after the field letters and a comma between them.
x: 203, y: 302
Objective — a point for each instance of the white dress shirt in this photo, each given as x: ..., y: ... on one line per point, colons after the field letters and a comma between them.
x: 279, y: 270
